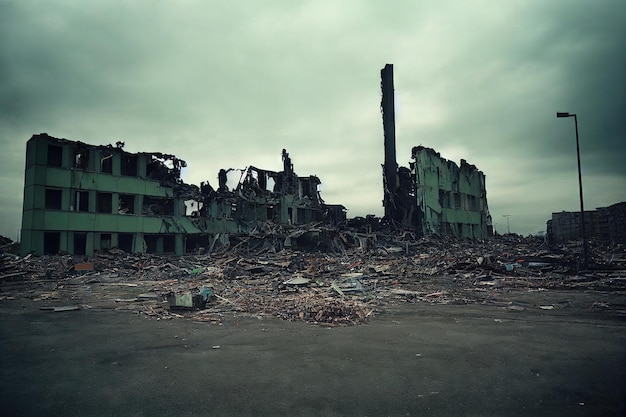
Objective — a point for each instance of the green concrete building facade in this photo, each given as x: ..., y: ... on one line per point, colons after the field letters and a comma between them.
x: 79, y: 198
x: 451, y: 199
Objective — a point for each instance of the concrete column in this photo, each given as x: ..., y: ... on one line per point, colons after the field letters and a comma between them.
x: 90, y: 245
x: 92, y: 201
x: 64, y: 243
x: 139, y: 205
x: 138, y: 243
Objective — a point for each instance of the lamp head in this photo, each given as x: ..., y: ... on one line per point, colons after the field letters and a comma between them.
x: 563, y: 114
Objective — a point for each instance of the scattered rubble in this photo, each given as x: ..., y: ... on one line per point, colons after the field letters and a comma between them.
x: 347, y: 284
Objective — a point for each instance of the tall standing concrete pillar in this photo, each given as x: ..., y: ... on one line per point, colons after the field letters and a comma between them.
x: 390, y: 167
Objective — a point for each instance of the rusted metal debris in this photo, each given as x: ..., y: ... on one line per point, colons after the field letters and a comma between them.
x: 345, y: 286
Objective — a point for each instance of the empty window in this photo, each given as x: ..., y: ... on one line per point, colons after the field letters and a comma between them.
x: 129, y: 165
x: 151, y: 243
x: 105, y: 241
x: 169, y: 244
x: 127, y: 204
x: 55, y: 156
x: 81, y: 158
x: 158, y: 206
x: 457, y: 201
x: 81, y: 202
x: 105, y: 203
x: 272, y: 213
x: 53, y: 199
x: 196, y: 244
x: 125, y: 242
x: 51, y: 243
x: 80, y: 243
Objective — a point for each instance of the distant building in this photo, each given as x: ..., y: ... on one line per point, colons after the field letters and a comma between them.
x: 79, y: 198
x: 604, y: 223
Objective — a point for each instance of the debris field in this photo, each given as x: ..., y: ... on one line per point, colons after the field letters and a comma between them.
x: 334, y: 288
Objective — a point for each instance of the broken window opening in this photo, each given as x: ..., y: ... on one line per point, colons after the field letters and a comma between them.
x: 272, y: 213
x: 155, y: 169
x: 151, y: 243
x: 309, y: 187
x: 233, y: 178
x: 193, y: 208
x: 55, y: 156
x: 278, y: 184
x: 81, y: 158
x: 125, y: 242
x: 106, y: 161
x: 270, y: 184
x: 169, y: 244
x: 126, y: 204
x: 81, y: 201
x: 51, y: 243
x: 165, y: 168
x: 196, y: 244
x: 80, y: 243
x: 105, y: 240
x: 104, y: 203
x: 53, y: 199
x: 473, y: 203
x: 129, y: 165
x: 154, y: 206
x: 457, y: 201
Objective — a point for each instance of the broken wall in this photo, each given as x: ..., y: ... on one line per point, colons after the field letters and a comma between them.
x: 451, y: 200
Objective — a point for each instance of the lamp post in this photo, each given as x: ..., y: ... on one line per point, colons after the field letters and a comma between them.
x: 508, y: 223
x: 580, y: 190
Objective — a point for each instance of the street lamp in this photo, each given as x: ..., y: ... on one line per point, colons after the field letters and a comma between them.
x: 508, y: 223
x: 580, y: 189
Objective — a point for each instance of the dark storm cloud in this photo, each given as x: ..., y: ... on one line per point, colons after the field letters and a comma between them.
x: 588, y: 43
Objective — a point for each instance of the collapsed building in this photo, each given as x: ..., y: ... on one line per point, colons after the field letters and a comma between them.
x: 79, y: 198
x: 433, y: 196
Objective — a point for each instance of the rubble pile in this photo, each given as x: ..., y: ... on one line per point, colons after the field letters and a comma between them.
x: 336, y: 288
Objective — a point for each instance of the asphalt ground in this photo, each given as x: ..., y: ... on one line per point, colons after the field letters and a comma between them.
x: 412, y: 360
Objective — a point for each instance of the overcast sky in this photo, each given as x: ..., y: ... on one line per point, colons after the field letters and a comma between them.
x: 227, y: 84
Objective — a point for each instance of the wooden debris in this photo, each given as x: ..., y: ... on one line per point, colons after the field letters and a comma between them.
x: 346, y: 286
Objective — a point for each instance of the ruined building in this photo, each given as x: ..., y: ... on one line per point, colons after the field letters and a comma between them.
x: 433, y: 196
x: 79, y: 198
